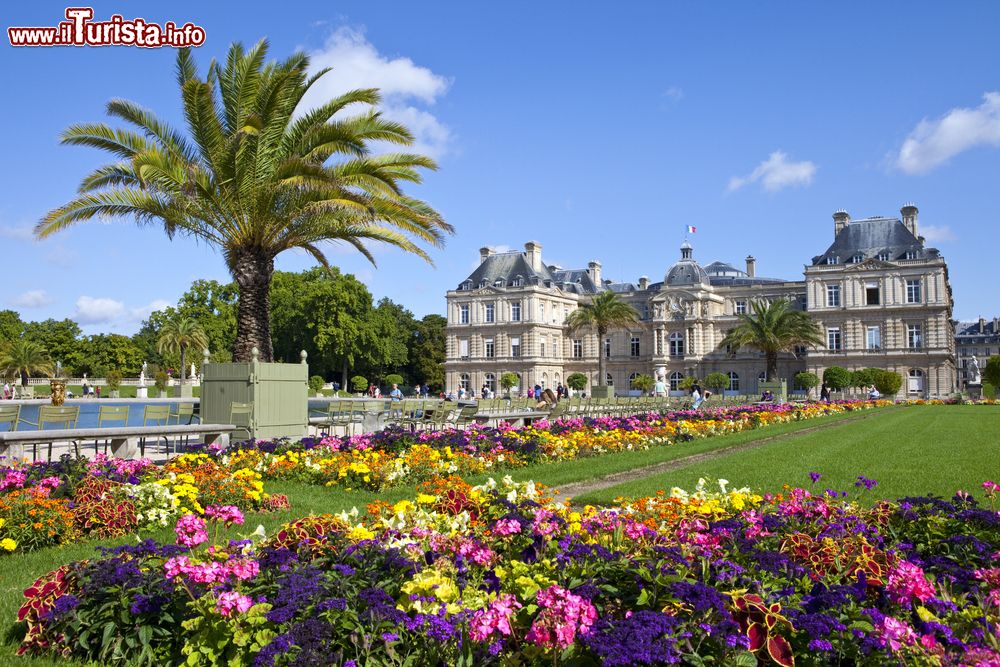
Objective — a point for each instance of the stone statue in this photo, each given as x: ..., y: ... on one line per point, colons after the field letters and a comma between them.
x: 975, y: 377
x: 142, y: 374
x: 193, y: 373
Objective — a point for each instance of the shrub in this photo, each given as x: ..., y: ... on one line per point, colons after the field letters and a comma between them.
x: 864, y: 377
x: 991, y: 372
x: 717, y: 381
x: 114, y: 380
x: 806, y: 380
x: 887, y: 382
x: 394, y: 378
x: 102, y: 509
x: 577, y: 381
x: 643, y: 383
x: 989, y: 391
x: 160, y: 380
x: 687, y: 383
x: 508, y: 381
x: 316, y: 383
x: 359, y: 383
x: 837, y: 378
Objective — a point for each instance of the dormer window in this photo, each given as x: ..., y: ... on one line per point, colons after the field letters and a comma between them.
x: 482, y: 284
x: 883, y: 256
x: 518, y: 281
x: 833, y: 260
x: 467, y: 285
x: 858, y: 258
x: 498, y: 283
x: 911, y: 254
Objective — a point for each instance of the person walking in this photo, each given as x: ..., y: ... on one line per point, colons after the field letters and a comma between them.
x: 824, y: 393
x: 396, y: 394
x: 696, y: 396
x: 660, y: 388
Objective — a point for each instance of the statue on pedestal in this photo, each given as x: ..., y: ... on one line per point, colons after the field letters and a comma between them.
x: 975, y: 375
x: 142, y: 375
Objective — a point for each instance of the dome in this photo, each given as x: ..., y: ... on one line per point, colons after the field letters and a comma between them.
x: 686, y: 271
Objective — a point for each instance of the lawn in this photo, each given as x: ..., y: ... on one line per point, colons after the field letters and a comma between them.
x: 917, y: 450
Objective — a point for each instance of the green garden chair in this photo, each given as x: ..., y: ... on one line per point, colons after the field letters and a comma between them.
x: 241, y: 416
x: 10, y: 415
x: 57, y: 416
x: 155, y: 415
x: 116, y: 414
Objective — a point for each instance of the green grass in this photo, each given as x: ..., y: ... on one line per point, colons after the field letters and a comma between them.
x: 917, y: 450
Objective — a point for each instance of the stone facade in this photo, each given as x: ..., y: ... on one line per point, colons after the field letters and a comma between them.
x: 880, y: 296
x: 980, y: 339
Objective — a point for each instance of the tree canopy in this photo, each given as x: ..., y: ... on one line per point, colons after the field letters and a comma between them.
x: 772, y: 327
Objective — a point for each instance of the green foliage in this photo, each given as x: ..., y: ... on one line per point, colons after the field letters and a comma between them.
x: 806, y: 380
x: 427, y: 351
x: 214, y: 640
x: 11, y: 326
x: 991, y: 372
x: 576, y: 381
x: 23, y: 358
x: 603, y: 313
x: 864, y: 377
x: 717, y: 381
x: 837, y: 378
x: 60, y: 338
x: 160, y: 380
x: 687, y: 383
x: 114, y: 380
x: 105, y: 351
x: 394, y: 378
x: 508, y: 381
x: 177, y: 336
x: 772, y: 327
x: 316, y: 383
x: 254, y: 178
x: 887, y: 382
x: 989, y: 391
x: 643, y: 383
x: 359, y: 383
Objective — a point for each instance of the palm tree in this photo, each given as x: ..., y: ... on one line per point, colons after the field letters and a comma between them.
x: 177, y: 335
x: 25, y: 358
x: 773, y: 327
x: 604, y: 312
x: 256, y: 174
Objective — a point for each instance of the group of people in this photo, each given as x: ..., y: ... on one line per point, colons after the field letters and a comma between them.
x: 8, y: 391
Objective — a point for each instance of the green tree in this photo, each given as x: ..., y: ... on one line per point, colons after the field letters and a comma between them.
x: 576, y: 381
x: 603, y: 313
x: 508, y: 381
x: 11, y: 326
x: 687, y: 383
x: 806, y: 380
x: 864, y: 377
x: 316, y: 383
x: 359, y: 383
x: 24, y: 358
x: 257, y: 174
x: 887, y: 382
x: 180, y: 334
x: 394, y: 378
x: 427, y: 351
x: 59, y: 338
x: 717, y: 382
x: 643, y: 383
x: 837, y: 378
x: 106, y: 352
x: 772, y: 327
x: 209, y: 303
x: 991, y: 372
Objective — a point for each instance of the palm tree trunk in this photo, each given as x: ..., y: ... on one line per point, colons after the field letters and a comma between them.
x: 252, y: 271
x: 772, y: 365
x: 601, y: 376
x: 183, y: 350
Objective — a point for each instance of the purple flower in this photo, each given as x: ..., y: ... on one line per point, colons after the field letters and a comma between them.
x: 869, y: 484
x: 814, y: 476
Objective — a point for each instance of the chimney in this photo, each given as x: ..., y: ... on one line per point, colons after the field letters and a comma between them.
x: 996, y: 326
x: 594, y: 271
x: 751, y: 266
x: 643, y: 282
x: 533, y: 253
x: 909, y: 213
x: 484, y: 252
x: 840, y: 221
x: 982, y: 325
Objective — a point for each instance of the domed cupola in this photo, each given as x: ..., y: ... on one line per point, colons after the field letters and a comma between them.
x: 686, y: 271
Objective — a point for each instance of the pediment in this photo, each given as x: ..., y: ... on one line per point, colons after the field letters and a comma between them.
x: 869, y: 265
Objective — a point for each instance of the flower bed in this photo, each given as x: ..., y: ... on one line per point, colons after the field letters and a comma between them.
x: 48, y: 504
x: 498, y: 574
x: 396, y: 456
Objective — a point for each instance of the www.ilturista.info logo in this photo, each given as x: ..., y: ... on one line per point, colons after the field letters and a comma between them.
x: 80, y: 30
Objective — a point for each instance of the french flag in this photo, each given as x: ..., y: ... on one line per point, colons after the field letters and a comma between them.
x: 691, y: 230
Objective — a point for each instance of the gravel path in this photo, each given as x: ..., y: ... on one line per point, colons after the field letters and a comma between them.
x: 574, y: 489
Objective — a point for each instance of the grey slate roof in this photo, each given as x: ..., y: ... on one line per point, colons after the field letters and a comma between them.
x: 873, y: 236
x: 508, y: 266
x: 990, y: 328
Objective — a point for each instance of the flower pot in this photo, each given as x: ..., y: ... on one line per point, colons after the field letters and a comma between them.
x: 58, y: 388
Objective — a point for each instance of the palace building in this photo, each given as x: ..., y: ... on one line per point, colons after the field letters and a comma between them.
x: 880, y: 296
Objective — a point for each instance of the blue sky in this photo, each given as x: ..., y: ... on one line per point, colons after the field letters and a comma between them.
x: 599, y: 130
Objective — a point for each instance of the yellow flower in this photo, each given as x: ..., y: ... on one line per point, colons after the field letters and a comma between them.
x: 425, y: 499
x: 8, y: 544
x: 359, y: 532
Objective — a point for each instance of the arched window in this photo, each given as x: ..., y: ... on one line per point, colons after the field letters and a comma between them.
x: 734, y: 381
x: 464, y: 381
x: 608, y: 380
x: 631, y: 378
x: 675, y: 381
x: 762, y: 377
x: 915, y: 381
x: 491, y: 382
x: 545, y: 380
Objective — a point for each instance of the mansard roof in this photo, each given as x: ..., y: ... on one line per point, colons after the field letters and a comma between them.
x: 509, y: 266
x: 871, y: 237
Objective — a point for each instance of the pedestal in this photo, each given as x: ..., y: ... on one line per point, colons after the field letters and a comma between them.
x: 975, y: 390
x: 142, y: 392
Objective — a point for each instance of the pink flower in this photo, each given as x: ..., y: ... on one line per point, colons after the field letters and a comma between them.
x: 227, y: 514
x: 190, y: 531
x: 543, y: 524
x: 908, y: 581
x: 563, y: 615
x: 230, y: 601
x: 506, y: 527
x: 14, y: 479
x: 176, y: 565
x: 495, y: 617
x: 243, y: 569
x: 896, y: 633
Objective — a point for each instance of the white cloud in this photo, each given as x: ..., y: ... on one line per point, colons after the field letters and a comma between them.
x: 33, y: 299
x: 404, y: 85
x: 776, y: 173
x: 144, y: 312
x: 937, y: 233
x: 97, y: 311
x: 934, y: 142
x: 673, y: 93
x: 17, y: 232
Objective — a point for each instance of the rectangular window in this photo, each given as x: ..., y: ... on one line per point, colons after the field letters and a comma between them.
x: 541, y: 346
x: 741, y: 307
x: 463, y: 313
x: 833, y: 340
x: 676, y: 345
x: 555, y: 347
x: 833, y: 296
x: 515, y: 311
x: 463, y: 348
x: 913, y: 338
x: 490, y: 349
x: 541, y: 312
x: 515, y: 346
x: 634, y: 344
x: 874, y: 338
x: 577, y: 349
x: 913, y: 291
x: 871, y: 294
x: 489, y: 312
x: 607, y: 348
